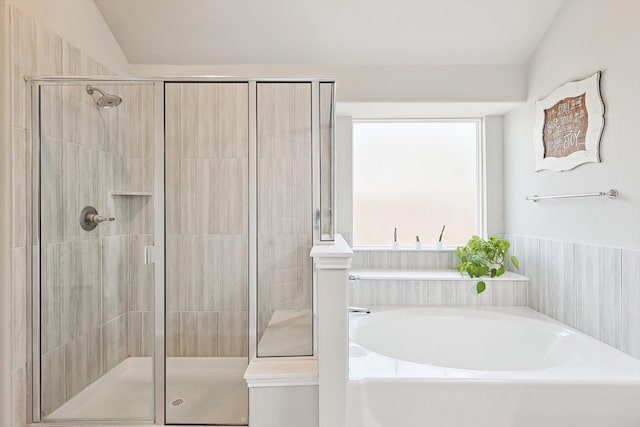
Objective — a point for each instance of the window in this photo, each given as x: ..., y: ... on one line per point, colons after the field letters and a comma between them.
x: 416, y: 175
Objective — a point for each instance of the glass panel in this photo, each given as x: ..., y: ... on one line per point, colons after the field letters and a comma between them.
x: 326, y: 161
x: 284, y: 219
x: 96, y: 292
x: 416, y: 176
x: 207, y: 252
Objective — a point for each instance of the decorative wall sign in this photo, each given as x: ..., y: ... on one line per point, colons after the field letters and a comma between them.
x: 569, y: 125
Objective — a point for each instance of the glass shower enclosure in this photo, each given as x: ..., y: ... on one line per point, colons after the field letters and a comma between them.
x: 94, y: 216
x: 171, y: 227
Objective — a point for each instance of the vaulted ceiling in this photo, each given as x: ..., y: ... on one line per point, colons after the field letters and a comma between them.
x: 349, y: 32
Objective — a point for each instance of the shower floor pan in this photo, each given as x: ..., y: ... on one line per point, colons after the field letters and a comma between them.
x: 200, y: 390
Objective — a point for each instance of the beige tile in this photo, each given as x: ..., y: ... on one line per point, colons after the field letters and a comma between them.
x: 233, y: 333
x: 233, y: 117
x: 141, y: 275
x: 115, y: 277
x: 89, y: 282
x: 76, y: 368
x: 173, y: 334
x: 95, y: 359
x: 19, y: 308
x: 207, y: 338
x: 52, y: 381
x: 232, y: 195
x: 51, y: 111
x: 188, y: 121
x: 173, y: 117
x: 141, y: 101
x: 284, y: 120
x: 114, y: 341
x: 19, y: 170
x: 70, y: 180
x: 70, y: 295
x: 172, y: 267
x: 19, y: 397
x: 51, y: 298
x: 187, y: 334
x: 23, y: 39
x: 51, y: 202
x: 76, y: 63
x: 173, y: 191
x: 134, y: 338
x: 234, y: 266
x: 146, y: 346
x: 87, y: 185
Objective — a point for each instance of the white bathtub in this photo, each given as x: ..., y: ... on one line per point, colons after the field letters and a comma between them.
x: 493, y: 367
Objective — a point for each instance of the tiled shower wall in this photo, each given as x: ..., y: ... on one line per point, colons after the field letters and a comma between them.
x: 594, y: 289
x: 95, y: 287
x: 207, y: 219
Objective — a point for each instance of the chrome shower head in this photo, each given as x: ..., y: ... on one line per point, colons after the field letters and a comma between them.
x: 106, y: 100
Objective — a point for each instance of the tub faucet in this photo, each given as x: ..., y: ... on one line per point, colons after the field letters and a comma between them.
x: 359, y: 310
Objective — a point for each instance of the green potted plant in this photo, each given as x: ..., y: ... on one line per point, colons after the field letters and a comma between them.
x: 481, y: 257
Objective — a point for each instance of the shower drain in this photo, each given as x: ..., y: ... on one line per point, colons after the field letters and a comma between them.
x: 177, y: 402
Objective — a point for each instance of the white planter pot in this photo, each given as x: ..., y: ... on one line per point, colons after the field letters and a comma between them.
x: 394, y: 245
x: 438, y: 245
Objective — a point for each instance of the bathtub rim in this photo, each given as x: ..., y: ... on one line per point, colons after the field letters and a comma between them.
x: 624, y: 370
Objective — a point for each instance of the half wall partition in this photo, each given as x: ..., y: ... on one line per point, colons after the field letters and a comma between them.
x: 172, y: 223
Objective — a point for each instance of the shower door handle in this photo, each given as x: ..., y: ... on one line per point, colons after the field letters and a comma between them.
x: 99, y: 218
x: 89, y: 218
x: 148, y: 255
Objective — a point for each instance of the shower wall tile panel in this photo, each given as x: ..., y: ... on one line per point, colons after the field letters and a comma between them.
x: 284, y: 199
x: 631, y: 302
x: 86, y: 153
x: 19, y: 167
x: 597, y: 272
x: 397, y: 259
x: 437, y: 293
x: 19, y: 312
x: 591, y: 288
x: 206, y: 216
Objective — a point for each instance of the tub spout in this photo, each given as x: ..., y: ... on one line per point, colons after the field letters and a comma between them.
x: 359, y: 310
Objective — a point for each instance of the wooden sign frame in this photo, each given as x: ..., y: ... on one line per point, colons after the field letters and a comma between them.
x: 569, y: 125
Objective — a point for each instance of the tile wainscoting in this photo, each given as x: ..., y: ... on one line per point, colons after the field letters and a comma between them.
x: 594, y: 289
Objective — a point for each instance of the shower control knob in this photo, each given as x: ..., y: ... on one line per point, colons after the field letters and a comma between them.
x: 89, y: 218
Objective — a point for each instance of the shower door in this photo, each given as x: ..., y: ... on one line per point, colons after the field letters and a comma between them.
x: 207, y: 176
x: 93, y: 210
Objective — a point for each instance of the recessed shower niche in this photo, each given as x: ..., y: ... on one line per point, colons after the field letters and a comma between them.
x: 200, y: 202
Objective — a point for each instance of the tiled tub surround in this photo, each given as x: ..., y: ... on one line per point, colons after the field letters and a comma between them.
x: 419, y: 259
x: 375, y: 287
x: 406, y: 355
x: 592, y: 288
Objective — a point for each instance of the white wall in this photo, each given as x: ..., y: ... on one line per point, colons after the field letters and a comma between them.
x: 493, y: 134
x: 585, y: 36
x: 80, y: 23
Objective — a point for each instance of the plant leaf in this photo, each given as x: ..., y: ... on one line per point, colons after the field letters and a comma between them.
x: 515, y: 262
x: 480, y: 287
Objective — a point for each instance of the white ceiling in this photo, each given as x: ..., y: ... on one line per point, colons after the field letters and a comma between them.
x: 349, y: 32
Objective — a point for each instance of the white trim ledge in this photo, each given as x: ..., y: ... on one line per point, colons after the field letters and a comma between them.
x: 284, y: 372
x: 332, y: 257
